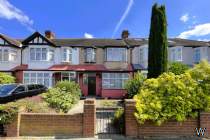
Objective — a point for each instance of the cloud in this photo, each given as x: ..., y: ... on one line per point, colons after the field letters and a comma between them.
x: 87, y: 35
x: 125, y: 14
x: 184, y: 18
x: 197, y: 31
x: 10, y: 12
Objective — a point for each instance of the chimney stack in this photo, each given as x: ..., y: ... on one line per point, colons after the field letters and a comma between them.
x: 125, y: 34
x: 49, y: 34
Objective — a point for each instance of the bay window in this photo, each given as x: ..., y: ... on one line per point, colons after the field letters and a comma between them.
x: 176, y: 54
x: 114, y: 80
x: 90, y: 55
x: 8, y: 55
x: 116, y: 54
x: 41, y: 54
x: 67, y: 55
x: 43, y: 78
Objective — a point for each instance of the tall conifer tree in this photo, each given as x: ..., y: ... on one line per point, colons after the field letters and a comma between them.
x: 158, y: 44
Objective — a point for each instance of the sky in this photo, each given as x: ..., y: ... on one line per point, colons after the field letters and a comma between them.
x: 188, y: 19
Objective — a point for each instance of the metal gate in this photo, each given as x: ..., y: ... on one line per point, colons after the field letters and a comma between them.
x: 2, y: 132
x: 104, y: 121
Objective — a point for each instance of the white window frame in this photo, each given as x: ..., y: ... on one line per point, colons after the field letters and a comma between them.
x: 196, y: 52
x: 34, y: 78
x: 10, y: 53
x: 111, y: 51
x: 90, y: 55
x: 112, y: 80
x: 176, y: 53
x: 46, y: 54
x: 67, y: 56
x: 71, y: 75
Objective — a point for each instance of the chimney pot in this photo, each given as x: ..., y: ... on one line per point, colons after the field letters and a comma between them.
x: 125, y: 34
x: 49, y: 34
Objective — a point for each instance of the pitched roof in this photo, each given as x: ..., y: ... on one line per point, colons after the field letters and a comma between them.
x: 10, y: 41
x: 171, y: 42
x: 84, y: 42
x: 187, y: 42
x: 35, y: 34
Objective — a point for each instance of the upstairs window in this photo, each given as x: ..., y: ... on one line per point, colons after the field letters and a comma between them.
x: 8, y: 55
x: 41, y: 54
x: 143, y: 55
x: 116, y: 54
x: 90, y: 55
x: 67, y: 55
x: 197, y: 55
x: 176, y: 54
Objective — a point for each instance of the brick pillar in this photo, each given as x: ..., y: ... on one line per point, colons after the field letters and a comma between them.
x: 89, y: 118
x: 131, y: 125
x: 12, y: 129
x: 205, y: 123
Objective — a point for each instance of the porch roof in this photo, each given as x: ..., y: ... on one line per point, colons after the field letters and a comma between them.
x: 78, y: 67
x: 86, y: 67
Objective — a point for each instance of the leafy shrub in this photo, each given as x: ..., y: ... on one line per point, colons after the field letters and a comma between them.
x: 201, y: 73
x: 63, y: 96
x: 168, y: 97
x: 133, y: 85
x: 70, y: 87
x: 6, y: 78
x: 8, y: 112
x: 177, y: 68
x: 119, y: 119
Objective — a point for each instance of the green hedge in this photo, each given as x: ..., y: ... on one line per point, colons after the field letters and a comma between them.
x: 169, y: 97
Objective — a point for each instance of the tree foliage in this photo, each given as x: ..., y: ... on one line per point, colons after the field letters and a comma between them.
x: 6, y: 78
x: 158, y: 44
x: 169, y: 97
x: 177, y: 68
x: 134, y: 84
x: 201, y: 74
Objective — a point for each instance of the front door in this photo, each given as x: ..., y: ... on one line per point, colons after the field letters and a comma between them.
x: 91, y: 84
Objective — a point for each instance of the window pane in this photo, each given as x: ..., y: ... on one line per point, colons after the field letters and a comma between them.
x: 44, y: 54
x: 6, y: 55
x: 51, y: 55
x: 116, y: 54
x: 32, y: 54
x: 38, y: 54
x: 26, y: 75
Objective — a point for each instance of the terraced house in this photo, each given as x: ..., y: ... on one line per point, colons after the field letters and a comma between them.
x: 100, y: 66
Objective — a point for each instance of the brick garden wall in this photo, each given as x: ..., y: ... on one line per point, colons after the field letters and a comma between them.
x: 43, y: 124
x: 51, y: 125
x: 171, y: 128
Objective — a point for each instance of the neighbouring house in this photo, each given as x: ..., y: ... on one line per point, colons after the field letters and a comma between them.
x: 100, y: 66
x: 186, y: 51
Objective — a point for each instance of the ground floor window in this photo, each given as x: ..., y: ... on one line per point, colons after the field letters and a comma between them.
x: 43, y: 78
x: 114, y: 80
x: 68, y: 76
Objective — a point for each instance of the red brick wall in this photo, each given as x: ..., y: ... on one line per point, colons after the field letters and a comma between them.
x: 51, y: 125
x: 89, y: 119
x: 113, y: 93
x: 12, y: 129
x: 170, y: 128
x: 43, y: 124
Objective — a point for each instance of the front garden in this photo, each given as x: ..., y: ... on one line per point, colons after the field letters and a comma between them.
x: 170, y: 96
x: 59, y: 99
